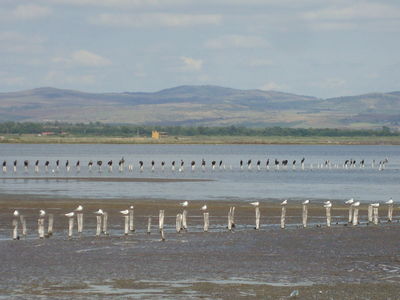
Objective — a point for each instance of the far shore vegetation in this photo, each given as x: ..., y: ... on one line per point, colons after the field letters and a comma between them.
x: 56, y: 132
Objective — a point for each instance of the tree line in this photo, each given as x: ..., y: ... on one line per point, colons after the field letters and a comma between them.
x: 127, y: 130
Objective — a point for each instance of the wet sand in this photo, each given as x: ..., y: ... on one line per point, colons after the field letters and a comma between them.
x: 341, y: 262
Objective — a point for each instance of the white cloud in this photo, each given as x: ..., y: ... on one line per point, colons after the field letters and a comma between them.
x: 366, y: 16
x: 357, y: 11
x: 272, y: 85
x: 30, y: 11
x: 15, y: 42
x: 191, y: 64
x: 84, y: 58
x: 236, y: 41
x: 155, y: 19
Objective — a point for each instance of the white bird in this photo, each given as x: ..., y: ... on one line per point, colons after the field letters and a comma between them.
x: 255, y: 204
x: 390, y: 201
x: 204, y: 207
x: 79, y: 208
x: 124, y: 212
x: 375, y: 204
x: 350, y: 201
x: 356, y: 204
x: 185, y: 204
x: 16, y: 213
x: 42, y: 213
x: 131, y: 207
x: 70, y: 215
x: 99, y: 212
x: 284, y: 202
x: 327, y: 204
x: 306, y: 202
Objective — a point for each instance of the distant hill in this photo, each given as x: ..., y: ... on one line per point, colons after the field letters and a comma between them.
x: 202, y: 105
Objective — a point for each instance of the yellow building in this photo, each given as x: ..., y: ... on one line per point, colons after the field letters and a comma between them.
x: 155, y: 135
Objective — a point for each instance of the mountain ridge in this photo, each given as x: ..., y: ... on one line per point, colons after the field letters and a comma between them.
x: 205, y: 105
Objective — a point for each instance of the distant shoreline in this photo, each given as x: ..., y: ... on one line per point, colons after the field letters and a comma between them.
x: 197, y: 140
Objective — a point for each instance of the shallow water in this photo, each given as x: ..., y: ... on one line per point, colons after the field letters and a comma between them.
x: 341, y: 262
x: 366, y: 184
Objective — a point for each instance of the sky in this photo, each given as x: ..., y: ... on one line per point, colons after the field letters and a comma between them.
x: 322, y: 48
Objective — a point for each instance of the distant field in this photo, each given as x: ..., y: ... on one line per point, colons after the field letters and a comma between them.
x: 358, y: 140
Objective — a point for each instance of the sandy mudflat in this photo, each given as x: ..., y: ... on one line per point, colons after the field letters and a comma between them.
x: 341, y: 262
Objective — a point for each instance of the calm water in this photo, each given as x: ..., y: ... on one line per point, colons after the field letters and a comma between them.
x: 368, y: 184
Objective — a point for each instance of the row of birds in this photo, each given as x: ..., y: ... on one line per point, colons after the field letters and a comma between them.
x: 328, y: 204
x: 185, y: 204
x: 350, y: 163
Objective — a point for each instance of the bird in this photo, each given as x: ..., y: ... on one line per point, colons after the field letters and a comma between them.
x: 70, y: 215
x: 90, y: 165
x: 350, y: 201
x: 131, y: 207
x: 375, y: 204
x: 306, y: 202
x: 255, y: 204
x: 390, y: 201
x: 184, y: 204
x: 204, y: 207
x: 294, y: 294
x: 284, y: 202
x: 79, y: 208
x: 42, y: 213
x: 16, y: 213
x: 356, y: 204
x: 124, y: 212
x: 99, y: 212
x: 327, y: 204
x: 203, y: 163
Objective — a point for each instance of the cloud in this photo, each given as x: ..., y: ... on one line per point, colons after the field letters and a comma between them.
x: 118, y: 3
x: 272, y: 85
x: 170, y: 3
x: 84, y: 58
x: 236, y: 41
x: 354, y: 12
x: 155, y: 19
x: 30, y: 11
x: 191, y: 3
x: 260, y: 62
x: 191, y: 64
x: 370, y: 16
x: 15, y: 42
